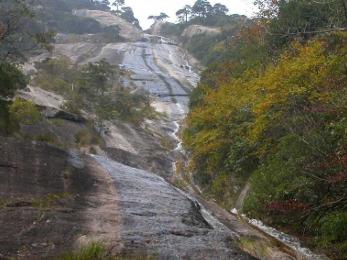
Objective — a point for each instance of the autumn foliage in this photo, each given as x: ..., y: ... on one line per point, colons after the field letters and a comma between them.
x: 278, y: 123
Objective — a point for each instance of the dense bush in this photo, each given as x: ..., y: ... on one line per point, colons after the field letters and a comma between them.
x: 270, y: 114
x: 334, y: 228
x: 277, y: 121
x: 11, y: 79
x: 24, y: 112
x: 19, y: 34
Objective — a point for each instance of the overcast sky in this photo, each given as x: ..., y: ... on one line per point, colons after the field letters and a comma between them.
x: 145, y: 8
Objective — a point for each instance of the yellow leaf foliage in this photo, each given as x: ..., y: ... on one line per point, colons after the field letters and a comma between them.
x: 302, y: 71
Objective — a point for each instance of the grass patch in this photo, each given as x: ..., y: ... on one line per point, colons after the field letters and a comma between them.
x: 254, y: 246
x: 2, y: 203
x: 47, y: 138
x: 94, y: 251
x: 86, y: 137
x: 43, y: 203
x: 49, y: 201
x: 179, y: 183
x: 98, y: 251
x: 58, y: 121
x: 24, y: 112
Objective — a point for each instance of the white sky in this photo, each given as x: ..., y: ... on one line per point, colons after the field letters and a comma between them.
x: 145, y: 8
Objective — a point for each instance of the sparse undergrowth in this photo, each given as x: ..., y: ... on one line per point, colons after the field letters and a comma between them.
x: 94, y: 251
x: 43, y: 203
x: 98, y: 251
x: 95, y: 88
x: 87, y: 137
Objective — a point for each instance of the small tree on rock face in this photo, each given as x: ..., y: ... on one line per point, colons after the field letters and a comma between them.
x: 128, y: 15
x: 202, y: 8
x: 163, y: 16
x: 184, y: 13
x: 219, y: 9
x: 158, y: 18
x: 11, y: 79
x: 118, y: 4
x: 16, y: 40
x: 103, y: 5
x: 97, y: 78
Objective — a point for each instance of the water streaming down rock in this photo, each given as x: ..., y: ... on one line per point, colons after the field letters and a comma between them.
x: 160, y: 220
x: 157, y: 218
x: 289, y: 240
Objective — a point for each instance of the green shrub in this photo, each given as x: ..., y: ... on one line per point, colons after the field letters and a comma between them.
x: 58, y: 86
x: 94, y: 88
x: 334, y: 227
x: 94, y: 251
x: 85, y: 137
x: 11, y: 79
x: 57, y: 75
x: 47, y: 138
x: 24, y: 112
x: 73, y: 105
x: 58, y: 122
x: 49, y: 201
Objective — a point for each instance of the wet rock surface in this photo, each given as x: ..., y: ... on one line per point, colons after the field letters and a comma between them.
x: 139, y: 147
x: 152, y: 162
x: 133, y: 210
x: 159, y: 220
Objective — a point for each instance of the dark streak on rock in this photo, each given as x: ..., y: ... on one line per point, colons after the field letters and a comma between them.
x: 162, y: 78
x: 194, y: 216
x: 8, y: 166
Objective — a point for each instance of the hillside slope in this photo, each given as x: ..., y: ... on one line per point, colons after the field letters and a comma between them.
x: 95, y: 154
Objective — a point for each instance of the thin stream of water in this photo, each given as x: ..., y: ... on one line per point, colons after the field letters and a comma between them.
x: 289, y: 240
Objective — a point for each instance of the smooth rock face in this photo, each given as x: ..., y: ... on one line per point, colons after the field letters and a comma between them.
x: 134, y: 211
x: 42, y: 97
x: 157, y: 219
x: 50, y: 198
x: 127, y: 30
x: 161, y: 221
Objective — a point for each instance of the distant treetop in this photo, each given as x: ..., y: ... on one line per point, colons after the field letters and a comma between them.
x: 201, y: 9
x: 158, y: 18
